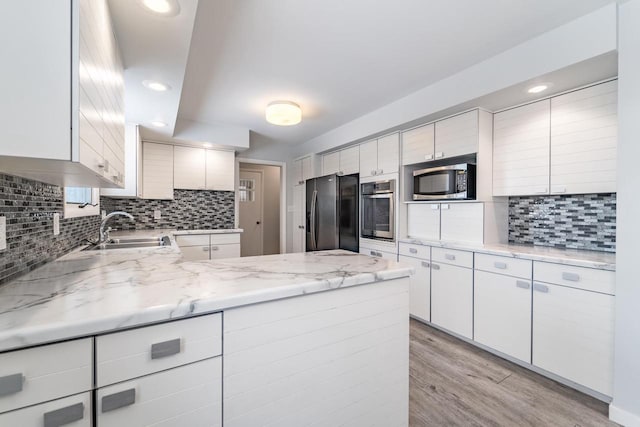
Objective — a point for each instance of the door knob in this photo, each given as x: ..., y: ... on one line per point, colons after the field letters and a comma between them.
x: 258, y: 222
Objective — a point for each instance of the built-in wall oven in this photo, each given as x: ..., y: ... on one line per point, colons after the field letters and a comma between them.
x: 378, y: 210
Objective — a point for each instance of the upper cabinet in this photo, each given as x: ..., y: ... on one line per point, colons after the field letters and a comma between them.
x: 563, y: 145
x: 418, y: 144
x: 457, y: 135
x: 157, y: 171
x: 220, y: 173
x: 303, y: 169
x: 189, y: 168
x: 343, y: 162
x: 67, y: 78
x: 380, y: 156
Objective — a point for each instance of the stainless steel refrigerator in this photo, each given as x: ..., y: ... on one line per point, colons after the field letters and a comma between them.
x: 332, y: 213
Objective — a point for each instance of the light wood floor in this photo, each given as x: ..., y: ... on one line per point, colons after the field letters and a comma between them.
x: 453, y: 383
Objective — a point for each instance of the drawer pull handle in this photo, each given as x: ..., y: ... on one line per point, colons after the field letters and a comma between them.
x: 541, y: 288
x: 500, y: 265
x: 11, y: 384
x: 118, y: 400
x: 166, y: 348
x: 450, y: 257
x: 425, y: 264
x: 214, y: 248
x: 63, y: 416
x: 435, y: 266
x: 572, y: 277
x: 205, y: 249
x: 522, y: 284
x: 413, y: 250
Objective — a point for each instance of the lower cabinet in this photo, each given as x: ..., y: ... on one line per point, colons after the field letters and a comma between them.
x: 419, y: 288
x: 74, y: 411
x: 502, y: 314
x: 190, y: 395
x: 452, y: 298
x: 199, y: 247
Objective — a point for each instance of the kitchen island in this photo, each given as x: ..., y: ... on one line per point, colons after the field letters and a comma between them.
x: 297, y: 339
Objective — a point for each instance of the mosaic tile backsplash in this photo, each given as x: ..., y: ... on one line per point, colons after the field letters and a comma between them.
x: 189, y: 210
x: 585, y: 221
x: 29, y: 207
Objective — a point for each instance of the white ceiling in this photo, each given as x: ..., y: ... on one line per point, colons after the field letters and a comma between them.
x: 338, y: 59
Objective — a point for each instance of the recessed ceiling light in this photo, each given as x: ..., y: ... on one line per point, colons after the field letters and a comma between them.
x: 538, y: 88
x: 158, y: 123
x: 156, y: 85
x: 283, y: 113
x: 162, y: 7
x: 207, y: 145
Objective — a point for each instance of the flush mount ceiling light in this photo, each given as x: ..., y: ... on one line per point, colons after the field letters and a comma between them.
x: 207, y: 145
x: 283, y: 113
x: 162, y: 7
x: 156, y: 85
x: 158, y: 123
x: 539, y: 88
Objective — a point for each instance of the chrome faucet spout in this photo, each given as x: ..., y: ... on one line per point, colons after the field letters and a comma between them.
x: 104, y: 234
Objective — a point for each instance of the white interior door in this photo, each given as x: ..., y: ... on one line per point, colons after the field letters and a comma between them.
x: 251, y: 212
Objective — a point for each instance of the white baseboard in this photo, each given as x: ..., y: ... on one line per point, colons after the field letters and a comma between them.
x: 623, y: 417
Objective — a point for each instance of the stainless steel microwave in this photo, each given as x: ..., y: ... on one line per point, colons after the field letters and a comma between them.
x: 445, y: 182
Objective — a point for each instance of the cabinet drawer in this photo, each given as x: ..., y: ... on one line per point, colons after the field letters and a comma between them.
x: 195, y: 253
x: 74, y: 411
x: 187, y: 396
x: 223, y: 239
x: 192, y: 240
x: 503, y: 265
x: 378, y: 254
x: 589, y: 279
x: 124, y: 355
x: 45, y: 373
x: 452, y: 256
x: 416, y: 251
x: 225, y: 251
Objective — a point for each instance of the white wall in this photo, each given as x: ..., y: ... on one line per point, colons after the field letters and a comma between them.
x: 625, y: 408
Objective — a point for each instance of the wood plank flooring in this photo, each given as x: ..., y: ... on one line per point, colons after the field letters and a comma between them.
x: 453, y: 383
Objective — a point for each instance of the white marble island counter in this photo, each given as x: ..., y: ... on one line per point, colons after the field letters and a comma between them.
x: 92, y: 292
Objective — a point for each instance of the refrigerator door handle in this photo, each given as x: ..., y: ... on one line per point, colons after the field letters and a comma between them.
x: 314, y: 201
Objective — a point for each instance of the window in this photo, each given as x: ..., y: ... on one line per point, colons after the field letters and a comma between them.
x: 78, y: 195
x: 81, y: 201
x: 247, y: 190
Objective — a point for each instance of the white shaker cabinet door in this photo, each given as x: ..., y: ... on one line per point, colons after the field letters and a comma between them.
x: 188, y: 168
x: 389, y: 154
x: 350, y: 160
x: 502, y: 314
x: 369, y: 158
x: 423, y: 221
x: 420, y: 288
x: 584, y: 137
x: 573, y: 335
x: 457, y: 135
x: 331, y: 163
x: 418, y: 145
x: 521, y: 150
x: 452, y: 298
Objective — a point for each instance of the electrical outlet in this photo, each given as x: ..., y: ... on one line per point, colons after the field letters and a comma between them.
x: 56, y: 224
x: 157, y: 214
x: 103, y: 214
x: 3, y: 233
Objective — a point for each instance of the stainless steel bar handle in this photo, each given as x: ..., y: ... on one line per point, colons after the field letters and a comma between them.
x: 215, y: 248
x: 500, y: 265
x: 450, y: 257
x: 540, y: 288
x: 435, y: 266
x: 413, y: 250
x: 63, y: 416
x: 426, y: 264
x: 165, y: 348
x: 572, y: 277
x: 11, y: 384
x: 523, y: 284
x: 314, y: 200
x: 118, y: 400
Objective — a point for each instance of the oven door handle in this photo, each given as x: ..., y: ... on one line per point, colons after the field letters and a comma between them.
x: 314, y: 202
x: 380, y: 196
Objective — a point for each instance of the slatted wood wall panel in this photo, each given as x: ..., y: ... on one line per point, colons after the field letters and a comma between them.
x: 333, y: 358
x: 584, y: 136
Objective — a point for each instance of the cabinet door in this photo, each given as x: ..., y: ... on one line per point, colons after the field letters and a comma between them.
x: 350, y: 160
x: 368, y: 158
x: 296, y: 172
x: 190, y: 395
x: 220, y: 166
x: 74, y: 411
x: 389, y: 154
x: 573, y: 335
x: 188, y: 168
x: 457, y: 135
x: 423, y: 221
x: 225, y: 251
x: 521, y: 150
x: 157, y: 171
x: 331, y: 163
x: 452, y: 298
x: 419, y: 288
x: 418, y: 145
x: 584, y: 137
x: 307, y: 168
x: 195, y: 253
x: 462, y: 222
x: 298, y: 218
x: 502, y: 314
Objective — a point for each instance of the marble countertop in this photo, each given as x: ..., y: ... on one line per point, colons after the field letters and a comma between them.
x: 89, y: 292
x: 210, y: 231
x: 579, y: 258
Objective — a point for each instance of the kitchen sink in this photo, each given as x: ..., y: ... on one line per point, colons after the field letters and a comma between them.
x: 131, y: 243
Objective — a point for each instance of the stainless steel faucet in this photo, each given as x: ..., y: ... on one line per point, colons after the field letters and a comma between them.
x: 104, y: 234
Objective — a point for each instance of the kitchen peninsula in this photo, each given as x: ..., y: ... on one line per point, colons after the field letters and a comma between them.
x: 151, y: 338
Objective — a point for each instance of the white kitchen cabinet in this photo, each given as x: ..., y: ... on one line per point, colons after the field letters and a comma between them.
x: 157, y: 171
x: 198, y: 247
x: 188, y: 168
x: 378, y: 253
x: 73, y: 411
x: 380, y: 156
x: 79, y: 136
x: 502, y: 313
x: 423, y: 221
x: 331, y: 163
x: 452, y: 298
x: 298, y: 219
x: 584, y: 136
x: 457, y: 135
x: 220, y: 170
x: 132, y: 165
x: 462, y: 222
x: 350, y: 160
x: 420, y: 287
x: 226, y: 250
x: 189, y: 395
x: 303, y: 169
x: 196, y: 253
x: 418, y: 144
x: 521, y: 150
